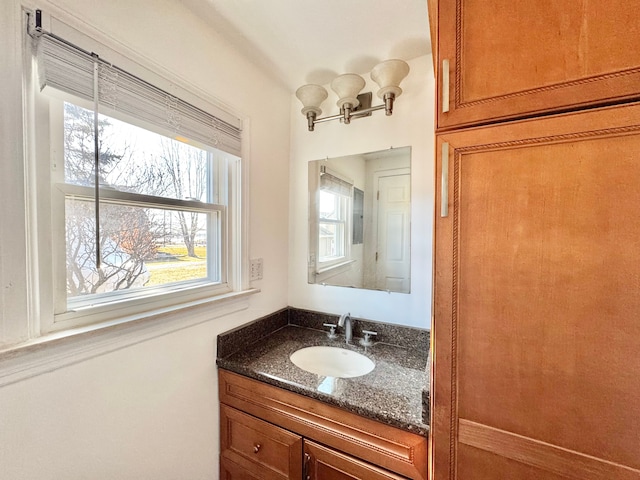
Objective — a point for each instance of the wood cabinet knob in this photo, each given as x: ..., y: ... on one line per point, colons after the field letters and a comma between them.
x: 256, y: 448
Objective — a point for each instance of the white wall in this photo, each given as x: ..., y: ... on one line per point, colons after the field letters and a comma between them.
x: 410, y: 125
x: 149, y: 410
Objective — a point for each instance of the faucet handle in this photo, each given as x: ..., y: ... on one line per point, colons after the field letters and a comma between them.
x: 367, y: 341
x: 332, y: 332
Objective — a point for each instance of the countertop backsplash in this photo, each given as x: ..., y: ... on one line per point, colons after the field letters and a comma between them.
x: 406, y: 337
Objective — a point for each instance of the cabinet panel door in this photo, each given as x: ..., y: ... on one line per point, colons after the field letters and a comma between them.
x: 262, y: 449
x: 516, y: 58
x: 536, y: 315
x: 322, y: 463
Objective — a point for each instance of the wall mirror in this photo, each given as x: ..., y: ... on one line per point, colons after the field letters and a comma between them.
x: 360, y: 221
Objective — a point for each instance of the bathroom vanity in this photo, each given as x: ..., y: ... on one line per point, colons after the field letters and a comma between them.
x: 279, y: 421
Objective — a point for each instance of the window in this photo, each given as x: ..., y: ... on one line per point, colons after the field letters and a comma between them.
x: 140, y: 206
x: 147, y: 237
x: 334, y: 224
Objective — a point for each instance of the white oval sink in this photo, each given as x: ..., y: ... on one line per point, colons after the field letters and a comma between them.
x: 332, y: 362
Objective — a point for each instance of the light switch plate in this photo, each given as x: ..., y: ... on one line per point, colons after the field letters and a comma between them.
x: 255, y: 269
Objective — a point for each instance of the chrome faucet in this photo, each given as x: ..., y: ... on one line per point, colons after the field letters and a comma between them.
x: 346, y: 322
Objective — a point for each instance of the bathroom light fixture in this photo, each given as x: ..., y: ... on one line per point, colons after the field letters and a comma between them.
x: 387, y: 75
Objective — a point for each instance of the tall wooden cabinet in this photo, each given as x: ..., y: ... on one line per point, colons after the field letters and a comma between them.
x: 536, y: 331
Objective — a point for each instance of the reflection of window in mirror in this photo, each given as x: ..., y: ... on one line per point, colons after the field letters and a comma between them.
x: 334, y: 219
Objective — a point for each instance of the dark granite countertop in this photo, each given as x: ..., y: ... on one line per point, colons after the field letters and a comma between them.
x: 392, y: 393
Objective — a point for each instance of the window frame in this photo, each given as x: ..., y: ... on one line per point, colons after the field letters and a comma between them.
x: 346, y: 221
x: 48, y: 264
x: 342, y: 222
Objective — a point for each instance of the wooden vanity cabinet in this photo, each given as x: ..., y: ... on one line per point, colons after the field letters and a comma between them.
x: 270, y: 433
x: 537, y: 268
x: 515, y: 58
x: 254, y: 449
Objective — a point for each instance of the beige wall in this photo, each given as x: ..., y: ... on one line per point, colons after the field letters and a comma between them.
x: 148, y: 410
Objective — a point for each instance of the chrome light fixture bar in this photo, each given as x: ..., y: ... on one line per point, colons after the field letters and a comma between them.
x: 387, y: 75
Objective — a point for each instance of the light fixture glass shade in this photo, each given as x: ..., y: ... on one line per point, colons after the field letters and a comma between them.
x: 347, y: 87
x: 311, y: 97
x: 388, y: 76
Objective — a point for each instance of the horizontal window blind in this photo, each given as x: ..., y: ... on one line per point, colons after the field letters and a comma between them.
x: 335, y: 185
x: 64, y: 67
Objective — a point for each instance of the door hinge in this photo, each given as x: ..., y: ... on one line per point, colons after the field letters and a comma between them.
x: 376, y: 256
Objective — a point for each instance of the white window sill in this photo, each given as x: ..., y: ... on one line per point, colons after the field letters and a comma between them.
x: 334, y: 266
x: 56, y: 350
x: 325, y: 273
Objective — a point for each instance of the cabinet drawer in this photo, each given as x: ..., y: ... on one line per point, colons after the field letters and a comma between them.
x: 233, y: 471
x: 263, y: 450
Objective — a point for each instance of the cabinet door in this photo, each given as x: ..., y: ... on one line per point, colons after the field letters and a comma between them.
x: 536, y: 314
x: 322, y: 463
x: 261, y: 449
x: 516, y: 58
